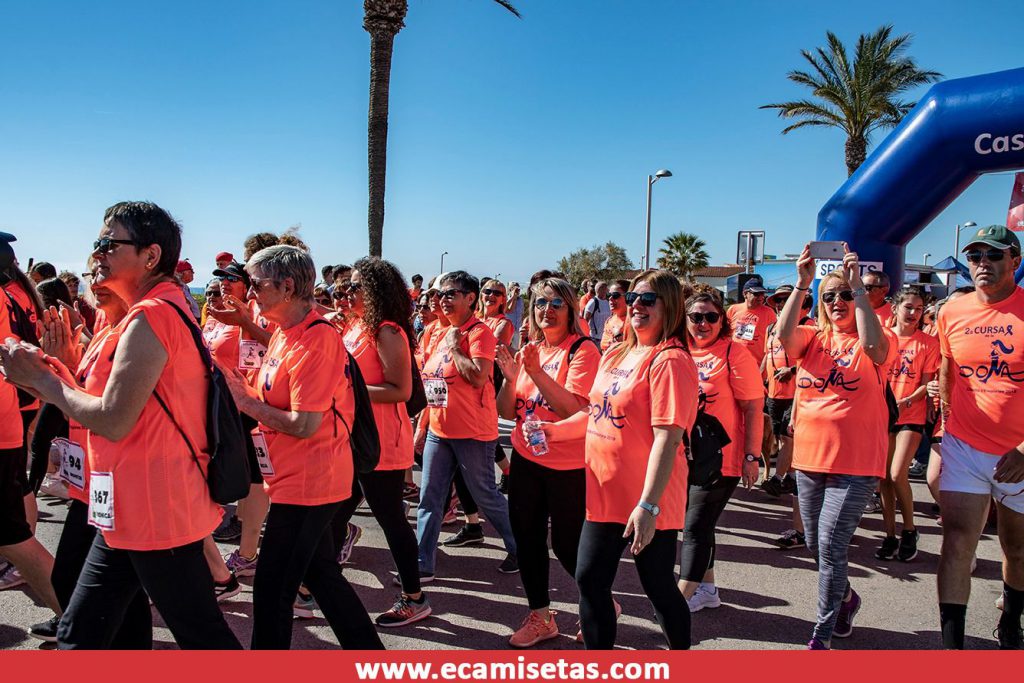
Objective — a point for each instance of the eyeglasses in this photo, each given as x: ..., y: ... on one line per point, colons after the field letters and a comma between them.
x: 555, y: 303
x: 844, y: 294
x: 259, y: 282
x: 492, y: 292
x: 697, y: 318
x: 213, y: 295
x: 353, y: 287
x: 615, y: 296
x: 105, y: 245
x: 648, y: 299
x: 231, y: 278
x: 422, y: 307
x: 874, y: 287
x: 993, y: 255
x: 323, y: 301
x: 450, y: 293
x: 338, y: 295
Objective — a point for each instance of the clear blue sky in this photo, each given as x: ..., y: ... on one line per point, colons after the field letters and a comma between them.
x: 512, y: 142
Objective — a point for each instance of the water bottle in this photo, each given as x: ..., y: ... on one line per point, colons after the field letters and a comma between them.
x: 535, y: 438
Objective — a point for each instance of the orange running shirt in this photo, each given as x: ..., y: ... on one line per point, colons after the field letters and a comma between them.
x: 749, y: 326
x: 306, y: 370
x: 885, y: 314
x: 628, y: 398
x: 842, y: 421
x: 918, y: 354
x: 728, y: 373
x: 778, y: 359
x: 160, y: 496
x: 492, y: 324
x: 223, y: 342
x: 11, y: 435
x: 471, y: 412
x: 577, y: 377
x: 614, y: 328
x: 392, y: 419
x: 986, y: 344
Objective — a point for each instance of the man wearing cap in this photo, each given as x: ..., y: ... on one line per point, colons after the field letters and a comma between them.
x: 981, y: 383
x: 877, y: 285
x: 239, y: 313
x: 778, y: 298
x: 224, y: 259
x: 185, y: 275
x: 751, y: 318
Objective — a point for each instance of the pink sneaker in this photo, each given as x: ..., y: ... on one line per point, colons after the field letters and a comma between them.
x: 534, y: 630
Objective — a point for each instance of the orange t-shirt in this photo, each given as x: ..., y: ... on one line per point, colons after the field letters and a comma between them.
x: 584, y: 300
x: 984, y: 342
x: 778, y: 359
x: 842, y: 421
x: 392, y: 419
x: 885, y: 314
x: 653, y: 388
x: 614, y: 327
x: 728, y: 373
x: 433, y: 333
x: 471, y: 412
x: 749, y: 326
x: 223, y: 342
x: 918, y: 354
x: 160, y: 495
x: 492, y: 323
x: 306, y: 370
x: 23, y: 300
x: 11, y: 435
x: 577, y: 377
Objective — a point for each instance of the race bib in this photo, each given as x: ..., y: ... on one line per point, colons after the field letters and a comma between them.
x: 745, y: 331
x: 250, y: 354
x: 437, y: 393
x: 72, y: 463
x: 259, y: 442
x: 101, y: 500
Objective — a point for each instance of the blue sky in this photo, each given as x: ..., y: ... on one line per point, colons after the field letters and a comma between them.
x: 512, y: 142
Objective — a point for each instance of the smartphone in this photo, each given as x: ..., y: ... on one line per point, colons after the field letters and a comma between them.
x: 831, y: 251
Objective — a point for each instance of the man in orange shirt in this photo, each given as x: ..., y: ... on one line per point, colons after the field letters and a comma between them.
x: 750, y: 319
x: 877, y: 283
x: 417, y: 287
x: 981, y: 382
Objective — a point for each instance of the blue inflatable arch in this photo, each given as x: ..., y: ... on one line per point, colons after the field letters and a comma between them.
x: 960, y: 130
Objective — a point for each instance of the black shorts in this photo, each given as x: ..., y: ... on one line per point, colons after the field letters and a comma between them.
x: 780, y: 410
x: 895, y: 429
x: 13, y: 482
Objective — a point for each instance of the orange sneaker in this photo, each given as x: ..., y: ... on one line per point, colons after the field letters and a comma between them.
x: 618, y: 613
x: 534, y: 630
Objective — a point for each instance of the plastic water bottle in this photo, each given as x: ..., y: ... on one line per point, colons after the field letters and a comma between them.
x: 535, y: 439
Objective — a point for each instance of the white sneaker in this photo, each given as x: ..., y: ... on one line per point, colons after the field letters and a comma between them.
x: 704, y: 597
x: 54, y: 487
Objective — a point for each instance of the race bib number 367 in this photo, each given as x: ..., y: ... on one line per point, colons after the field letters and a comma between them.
x: 101, y: 500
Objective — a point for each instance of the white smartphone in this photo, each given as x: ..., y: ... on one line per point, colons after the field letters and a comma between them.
x: 830, y: 251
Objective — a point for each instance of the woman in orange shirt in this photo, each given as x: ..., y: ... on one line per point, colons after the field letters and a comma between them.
x: 491, y: 310
x: 643, y: 401
x: 615, y: 327
x: 303, y: 400
x: 841, y: 429
x: 731, y: 382
x: 147, y: 461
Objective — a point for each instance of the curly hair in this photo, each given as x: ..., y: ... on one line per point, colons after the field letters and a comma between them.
x: 385, y: 298
x: 258, y: 242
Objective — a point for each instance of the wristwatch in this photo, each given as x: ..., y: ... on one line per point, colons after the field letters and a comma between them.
x: 650, y: 507
x: 750, y: 457
x: 860, y: 291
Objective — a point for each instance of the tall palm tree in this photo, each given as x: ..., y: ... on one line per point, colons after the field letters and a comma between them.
x: 682, y: 254
x: 858, y: 97
x: 383, y: 19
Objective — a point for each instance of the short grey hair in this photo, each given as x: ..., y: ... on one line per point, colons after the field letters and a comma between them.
x: 282, y: 261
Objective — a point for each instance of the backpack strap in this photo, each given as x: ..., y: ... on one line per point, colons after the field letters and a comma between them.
x: 576, y: 347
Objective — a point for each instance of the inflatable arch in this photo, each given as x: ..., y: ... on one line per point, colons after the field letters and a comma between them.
x: 961, y: 129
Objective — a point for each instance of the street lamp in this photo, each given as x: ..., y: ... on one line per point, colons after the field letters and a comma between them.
x: 926, y: 255
x: 651, y: 179
x: 442, y: 260
x: 956, y: 248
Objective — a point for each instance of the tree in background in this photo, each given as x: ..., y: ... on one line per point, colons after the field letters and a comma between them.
x: 605, y: 262
x: 858, y: 97
x: 682, y: 254
x: 383, y: 19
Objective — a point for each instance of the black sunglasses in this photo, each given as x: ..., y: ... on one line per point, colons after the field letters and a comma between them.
x: 697, y: 318
x: 874, y: 287
x: 615, y: 296
x: 647, y: 298
x: 993, y: 255
x: 231, y: 278
x: 422, y: 307
x: 554, y: 303
x: 213, y: 295
x: 338, y: 295
x: 492, y: 292
x: 105, y: 245
x: 353, y: 287
x: 830, y: 297
x: 450, y: 293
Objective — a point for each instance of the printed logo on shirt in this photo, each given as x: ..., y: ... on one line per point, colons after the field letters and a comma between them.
x: 605, y: 411
x: 996, y: 367
x: 836, y: 377
x: 905, y: 367
x: 527, y: 405
x: 990, y: 330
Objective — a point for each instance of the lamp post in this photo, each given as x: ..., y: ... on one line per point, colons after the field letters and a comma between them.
x: 443, y: 254
x: 956, y: 247
x: 926, y: 255
x: 651, y: 179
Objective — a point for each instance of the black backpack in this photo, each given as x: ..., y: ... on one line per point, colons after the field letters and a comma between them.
x: 228, y: 476
x: 22, y: 326
x: 418, y: 399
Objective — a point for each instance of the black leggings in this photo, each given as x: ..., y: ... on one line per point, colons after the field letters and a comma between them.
x: 536, y: 494
x: 601, y: 547
x: 297, y: 549
x: 136, y: 629
x: 469, y: 505
x: 383, y: 492
x: 704, y: 506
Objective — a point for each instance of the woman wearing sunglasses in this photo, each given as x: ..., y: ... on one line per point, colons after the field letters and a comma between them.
x: 423, y: 316
x: 615, y: 327
x: 491, y: 311
x: 643, y: 400
x: 731, y: 382
x: 841, y: 430
x: 551, y: 378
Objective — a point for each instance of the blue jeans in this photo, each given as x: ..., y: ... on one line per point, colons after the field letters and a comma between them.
x: 831, y: 506
x: 475, y: 459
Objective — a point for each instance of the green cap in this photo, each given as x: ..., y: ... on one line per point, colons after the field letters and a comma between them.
x: 995, y: 236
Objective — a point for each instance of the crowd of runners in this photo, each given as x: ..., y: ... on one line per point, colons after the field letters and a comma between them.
x: 639, y: 407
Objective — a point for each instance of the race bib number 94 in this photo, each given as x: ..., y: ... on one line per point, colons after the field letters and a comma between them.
x: 72, y: 462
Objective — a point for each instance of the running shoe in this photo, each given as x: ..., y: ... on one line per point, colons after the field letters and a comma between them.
x: 908, y: 545
x: 411, y: 492
x: 352, y: 536
x: 999, y: 602
x: 10, y: 578
x: 789, y: 485
x: 917, y: 469
x: 503, y: 490
x: 534, y: 629
x: 54, y: 487
x: 424, y: 578
x: 817, y: 644
x: 791, y: 539
x: 404, y: 611
x: 772, y: 486
x: 510, y: 565
x: 469, y: 534
x: 1009, y: 633
x: 240, y: 566
x: 228, y: 589
x: 847, y: 611
x: 303, y: 606
x: 451, y: 516
x: 229, y: 531
x: 704, y: 597
x: 890, y: 544
x: 46, y: 631
x: 874, y: 504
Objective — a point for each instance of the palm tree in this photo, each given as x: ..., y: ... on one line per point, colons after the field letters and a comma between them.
x: 383, y: 19
x: 860, y: 97
x: 683, y: 254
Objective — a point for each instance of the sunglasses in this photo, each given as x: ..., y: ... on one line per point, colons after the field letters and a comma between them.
x: 353, y: 287
x: 830, y: 297
x: 492, y: 292
x: 615, y: 296
x: 338, y: 295
x: 422, y: 307
x: 697, y: 318
x: 213, y: 295
x: 105, y: 245
x: 450, y: 293
x: 323, y: 301
x: 555, y: 303
x: 231, y: 278
x: 871, y: 288
x: 993, y: 255
x: 647, y: 298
